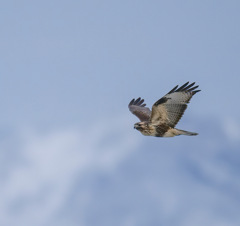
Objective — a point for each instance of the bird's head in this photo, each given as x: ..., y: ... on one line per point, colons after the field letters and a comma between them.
x: 140, y: 126
x: 145, y: 128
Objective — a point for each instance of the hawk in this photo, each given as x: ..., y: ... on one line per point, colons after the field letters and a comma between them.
x: 165, y: 114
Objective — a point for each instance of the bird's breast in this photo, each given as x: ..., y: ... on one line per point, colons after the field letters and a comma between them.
x: 161, y: 130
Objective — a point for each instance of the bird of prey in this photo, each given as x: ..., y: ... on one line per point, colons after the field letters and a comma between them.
x: 165, y: 114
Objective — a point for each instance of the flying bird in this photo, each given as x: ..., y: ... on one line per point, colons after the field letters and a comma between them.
x: 165, y: 114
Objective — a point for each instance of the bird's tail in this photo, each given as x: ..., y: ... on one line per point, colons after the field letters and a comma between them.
x: 183, y: 132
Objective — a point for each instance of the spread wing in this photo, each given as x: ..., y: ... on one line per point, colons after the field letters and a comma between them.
x: 170, y: 108
x: 137, y: 107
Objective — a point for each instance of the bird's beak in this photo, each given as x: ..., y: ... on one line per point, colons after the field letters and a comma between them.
x: 136, y: 126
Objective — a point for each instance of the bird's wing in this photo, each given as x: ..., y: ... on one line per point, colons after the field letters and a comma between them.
x: 170, y: 108
x: 137, y: 107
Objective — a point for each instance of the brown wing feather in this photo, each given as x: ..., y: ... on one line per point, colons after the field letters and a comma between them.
x: 137, y: 107
x: 170, y: 108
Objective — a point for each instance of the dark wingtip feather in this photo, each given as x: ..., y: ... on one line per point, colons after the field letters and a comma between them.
x: 131, y: 102
x: 182, y: 87
x: 173, y: 90
x: 195, y: 87
x: 141, y: 101
x: 138, y: 102
x: 196, y: 91
x: 187, y: 87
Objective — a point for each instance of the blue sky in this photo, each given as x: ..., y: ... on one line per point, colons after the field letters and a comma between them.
x: 69, y: 154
